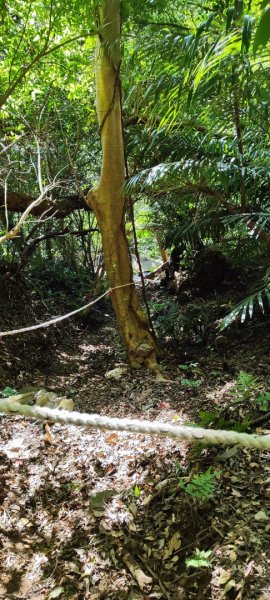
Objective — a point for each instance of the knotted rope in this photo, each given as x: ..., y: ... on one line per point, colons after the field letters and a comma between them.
x: 190, y: 434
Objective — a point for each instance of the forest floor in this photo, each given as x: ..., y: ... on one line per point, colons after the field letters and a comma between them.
x: 95, y: 515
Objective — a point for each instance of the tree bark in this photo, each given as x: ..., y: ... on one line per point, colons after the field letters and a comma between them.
x: 107, y: 200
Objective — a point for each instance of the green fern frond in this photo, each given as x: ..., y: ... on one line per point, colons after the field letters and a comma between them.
x: 201, y: 487
x: 199, y: 559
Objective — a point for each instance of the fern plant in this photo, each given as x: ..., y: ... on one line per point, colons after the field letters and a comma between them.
x: 200, y: 487
x: 199, y: 558
x: 263, y: 401
x: 7, y: 391
x: 246, y: 384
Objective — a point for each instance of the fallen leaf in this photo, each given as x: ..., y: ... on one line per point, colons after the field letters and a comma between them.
x: 133, y: 509
x: 232, y: 556
x: 66, y: 404
x: 48, y: 437
x: 112, y: 439
x: 224, y: 577
x: 56, y: 592
x: 261, y: 516
x: 173, y: 545
x: 250, y: 570
x: 229, y: 586
x: 116, y: 373
x: 24, y: 521
x: 99, y: 499
x: 144, y: 582
x: 229, y: 453
x: 236, y: 493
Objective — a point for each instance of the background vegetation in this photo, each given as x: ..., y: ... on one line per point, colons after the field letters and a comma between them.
x: 195, y: 80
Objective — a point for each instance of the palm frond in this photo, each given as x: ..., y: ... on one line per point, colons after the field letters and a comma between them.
x: 245, y: 308
x: 224, y: 49
x: 255, y: 222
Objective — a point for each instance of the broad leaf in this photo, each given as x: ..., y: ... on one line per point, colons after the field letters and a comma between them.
x: 262, y: 35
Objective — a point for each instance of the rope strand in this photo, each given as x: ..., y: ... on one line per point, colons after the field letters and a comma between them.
x: 190, y: 434
x: 63, y: 317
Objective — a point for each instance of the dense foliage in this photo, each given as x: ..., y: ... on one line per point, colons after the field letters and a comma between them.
x: 195, y: 82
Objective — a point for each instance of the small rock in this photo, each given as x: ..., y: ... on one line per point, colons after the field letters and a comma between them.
x: 116, y: 373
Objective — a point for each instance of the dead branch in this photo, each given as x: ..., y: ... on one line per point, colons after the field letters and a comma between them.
x: 59, y: 207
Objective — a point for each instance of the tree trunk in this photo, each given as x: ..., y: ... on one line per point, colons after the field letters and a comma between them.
x: 107, y: 200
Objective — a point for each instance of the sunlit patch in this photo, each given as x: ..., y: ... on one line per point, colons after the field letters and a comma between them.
x: 92, y: 348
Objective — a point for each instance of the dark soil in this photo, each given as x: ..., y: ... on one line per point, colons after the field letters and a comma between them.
x: 81, y: 508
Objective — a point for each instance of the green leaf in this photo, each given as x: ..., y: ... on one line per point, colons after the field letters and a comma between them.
x: 137, y: 492
x: 262, y: 35
x: 263, y: 401
x: 230, y: 14
x: 205, y: 25
x: 245, y: 384
x: 206, y: 417
x: 192, y: 383
x: 247, y: 30
x: 199, y: 559
x: 8, y: 391
x: 201, y: 487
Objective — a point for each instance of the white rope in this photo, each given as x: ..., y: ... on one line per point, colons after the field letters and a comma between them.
x: 63, y: 317
x: 190, y: 434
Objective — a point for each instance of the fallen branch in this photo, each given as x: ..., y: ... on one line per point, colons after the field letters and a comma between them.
x: 144, y: 582
x: 259, y: 420
x: 157, y: 271
x: 9, y: 235
x: 59, y: 207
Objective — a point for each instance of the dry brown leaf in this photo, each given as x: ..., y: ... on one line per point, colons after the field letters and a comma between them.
x: 48, y: 437
x: 224, y: 577
x: 232, y: 556
x: 112, y: 439
x: 173, y: 545
x: 144, y: 582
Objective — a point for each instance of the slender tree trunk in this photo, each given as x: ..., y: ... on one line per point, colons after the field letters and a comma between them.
x: 163, y: 252
x: 240, y: 146
x: 108, y: 199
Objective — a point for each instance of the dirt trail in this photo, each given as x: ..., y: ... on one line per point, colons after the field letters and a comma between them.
x: 94, y: 515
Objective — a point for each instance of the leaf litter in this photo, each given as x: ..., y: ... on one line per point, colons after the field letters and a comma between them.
x: 94, y: 515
